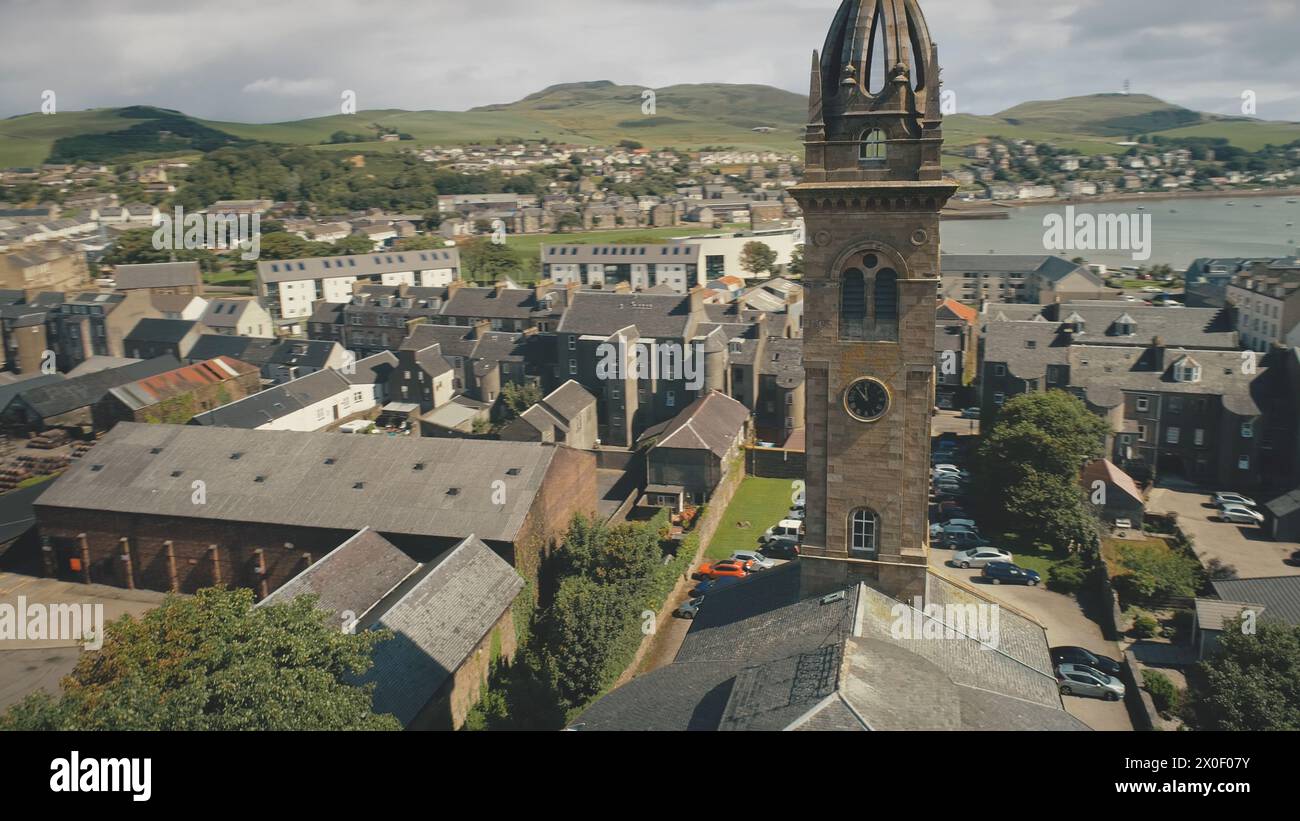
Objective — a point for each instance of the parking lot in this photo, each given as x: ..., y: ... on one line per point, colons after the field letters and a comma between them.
x: 1062, y: 617
x: 26, y: 666
x: 1246, y: 547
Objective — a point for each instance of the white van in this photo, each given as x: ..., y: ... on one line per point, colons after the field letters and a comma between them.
x: 788, y: 528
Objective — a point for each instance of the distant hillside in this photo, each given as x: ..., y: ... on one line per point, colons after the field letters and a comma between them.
x: 602, y: 112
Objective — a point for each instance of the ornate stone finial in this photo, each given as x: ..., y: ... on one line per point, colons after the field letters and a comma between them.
x: 850, y: 75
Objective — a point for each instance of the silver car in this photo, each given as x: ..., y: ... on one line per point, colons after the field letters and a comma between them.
x: 757, y: 561
x: 1225, y: 499
x: 980, y: 556
x: 1078, y: 680
x: 1240, y: 514
x: 688, y: 609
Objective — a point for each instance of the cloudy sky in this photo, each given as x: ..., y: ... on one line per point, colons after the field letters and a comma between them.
x: 271, y: 60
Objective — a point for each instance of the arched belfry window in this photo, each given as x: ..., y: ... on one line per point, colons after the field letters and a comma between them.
x: 872, y: 150
x: 864, y: 532
x: 886, y: 293
x: 853, y: 305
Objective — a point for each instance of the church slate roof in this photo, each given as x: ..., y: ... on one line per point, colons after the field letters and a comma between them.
x: 759, y: 658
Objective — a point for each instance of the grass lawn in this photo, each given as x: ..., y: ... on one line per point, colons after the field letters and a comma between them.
x: 1110, y: 551
x: 1038, y: 560
x: 762, y: 503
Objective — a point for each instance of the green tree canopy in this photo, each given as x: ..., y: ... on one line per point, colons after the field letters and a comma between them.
x: 213, y: 661
x: 1252, y: 682
x: 757, y: 258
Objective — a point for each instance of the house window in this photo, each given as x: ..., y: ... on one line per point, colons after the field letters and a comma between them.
x: 1243, y: 463
x: 573, y: 367
x: 1199, y: 437
x: 999, y: 370
x: 573, y: 343
x: 1173, y: 435
x: 671, y: 399
x: 863, y: 526
x: 872, y: 152
x: 886, y: 296
x: 1143, y: 404
x: 1142, y: 433
x: 1247, y: 430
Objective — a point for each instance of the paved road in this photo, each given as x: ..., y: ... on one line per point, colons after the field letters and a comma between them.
x: 1065, y: 623
x: 26, y: 665
x: 1247, y: 548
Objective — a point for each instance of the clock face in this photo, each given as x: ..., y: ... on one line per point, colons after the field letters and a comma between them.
x: 867, y: 400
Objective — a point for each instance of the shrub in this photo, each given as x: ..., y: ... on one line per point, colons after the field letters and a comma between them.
x: 1068, y: 576
x: 1145, y: 625
x: 1167, y: 697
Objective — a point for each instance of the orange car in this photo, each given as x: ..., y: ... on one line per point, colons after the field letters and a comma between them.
x: 714, y: 570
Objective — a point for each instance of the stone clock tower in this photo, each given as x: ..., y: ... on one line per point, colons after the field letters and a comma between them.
x: 871, y: 197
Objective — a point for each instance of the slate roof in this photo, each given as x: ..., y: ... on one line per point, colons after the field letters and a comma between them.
x: 302, y: 353
x: 253, y: 350
x: 1280, y: 595
x: 356, y: 576
x: 1104, y: 374
x: 759, y: 658
x: 710, y: 423
x: 56, y: 398
x: 372, y: 480
x: 437, y: 624
x: 491, y: 303
x: 156, y: 275
x: 279, y: 401
x: 783, y: 359
x: 603, y: 313
x: 1211, y: 614
x: 568, y: 400
x: 167, y: 331
x: 225, y: 313
x: 357, y: 265
x: 1208, y: 328
x: 10, y: 390
x: 1052, y: 268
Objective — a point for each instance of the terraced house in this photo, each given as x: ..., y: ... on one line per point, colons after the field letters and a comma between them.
x: 290, y: 288
x: 1180, y: 396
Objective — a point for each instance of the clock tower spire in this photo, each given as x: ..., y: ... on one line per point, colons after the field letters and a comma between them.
x: 872, y: 192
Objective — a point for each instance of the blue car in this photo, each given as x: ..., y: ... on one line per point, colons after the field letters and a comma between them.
x: 714, y: 585
x: 1008, y: 573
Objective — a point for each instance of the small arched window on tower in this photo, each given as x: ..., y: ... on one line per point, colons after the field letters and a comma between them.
x: 886, y: 302
x: 853, y: 305
x: 872, y: 149
x: 864, y: 531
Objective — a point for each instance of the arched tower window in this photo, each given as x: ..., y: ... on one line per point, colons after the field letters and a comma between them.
x: 864, y: 531
x: 872, y: 150
x: 853, y: 305
x: 886, y: 293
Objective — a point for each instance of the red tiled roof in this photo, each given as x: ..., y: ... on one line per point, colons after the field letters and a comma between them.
x: 154, y: 389
x: 965, y: 312
x: 1107, y: 472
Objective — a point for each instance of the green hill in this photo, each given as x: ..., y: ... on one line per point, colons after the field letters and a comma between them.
x: 602, y: 112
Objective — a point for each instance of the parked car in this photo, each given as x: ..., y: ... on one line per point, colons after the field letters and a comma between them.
x: 1078, y: 655
x: 714, y: 570
x: 980, y: 556
x: 785, y: 527
x: 795, y: 514
x: 753, y: 560
x: 946, y: 485
x: 937, y: 529
x: 949, y: 469
x: 1224, y: 499
x: 962, y: 539
x: 1008, y: 573
x: 970, y: 413
x: 1078, y: 680
x: 782, y: 547
x: 714, y: 585
x: 1240, y: 514
x: 947, y: 515
x: 688, y: 608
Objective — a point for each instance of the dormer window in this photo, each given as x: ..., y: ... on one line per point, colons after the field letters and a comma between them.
x: 1187, y: 370
x: 872, y: 150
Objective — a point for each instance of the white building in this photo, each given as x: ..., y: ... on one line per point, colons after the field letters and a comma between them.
x: 289, y: 287
x: 640, y: 266
x: 720, y: 253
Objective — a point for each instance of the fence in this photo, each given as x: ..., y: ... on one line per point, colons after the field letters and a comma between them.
x: 775, y: 463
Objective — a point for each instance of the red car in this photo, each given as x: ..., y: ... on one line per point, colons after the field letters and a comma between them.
x: 714, y: 570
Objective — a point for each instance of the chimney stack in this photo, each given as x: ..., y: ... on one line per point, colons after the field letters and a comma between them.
x: 481, y: 328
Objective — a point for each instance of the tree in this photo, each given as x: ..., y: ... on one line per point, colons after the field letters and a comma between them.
x: 1028, y: 470
x: 486, y: 261
x: 757, y: 257
x: 795, y: 267
x: 213, y: 661
x: 519, y: 398
x: 1252, y: 682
